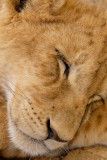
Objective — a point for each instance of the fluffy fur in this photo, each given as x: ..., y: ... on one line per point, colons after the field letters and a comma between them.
x: 53, y: 68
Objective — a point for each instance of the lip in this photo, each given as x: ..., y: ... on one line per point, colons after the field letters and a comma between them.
x: 54, y: 145
x: 39, y: 140
x: 59, y: 143
x: 50, y: 144
x: 44, y: 141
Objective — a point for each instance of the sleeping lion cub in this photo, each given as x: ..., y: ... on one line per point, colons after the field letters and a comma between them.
x: 53, y: 76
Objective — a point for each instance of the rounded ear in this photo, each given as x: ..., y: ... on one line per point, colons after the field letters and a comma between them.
x: 57, y: 5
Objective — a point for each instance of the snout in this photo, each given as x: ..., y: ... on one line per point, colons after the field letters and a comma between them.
x: 52, y: 134
x: 53, y: 141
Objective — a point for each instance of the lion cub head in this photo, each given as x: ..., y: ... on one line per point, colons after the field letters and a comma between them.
x: 53, y: 60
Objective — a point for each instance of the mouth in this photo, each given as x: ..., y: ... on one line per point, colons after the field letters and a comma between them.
x: 50, y: 144
x: 35, y: 147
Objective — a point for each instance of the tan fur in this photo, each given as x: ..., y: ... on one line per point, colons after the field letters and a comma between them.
x: 35, y: 42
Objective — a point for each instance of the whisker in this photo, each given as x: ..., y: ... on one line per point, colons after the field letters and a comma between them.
x: 21, y: 93
x: 18, y: 95
x: 68, y: 152
x: 18, y: 109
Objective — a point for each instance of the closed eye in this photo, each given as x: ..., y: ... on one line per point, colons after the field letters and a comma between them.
x: 64, y: 64
x: 67, y: 69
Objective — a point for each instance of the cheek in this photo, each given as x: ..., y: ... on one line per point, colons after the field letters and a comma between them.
x: 14, y: 110
x: 80, y: 80
x: 9, y: 94
x: 28, y: 118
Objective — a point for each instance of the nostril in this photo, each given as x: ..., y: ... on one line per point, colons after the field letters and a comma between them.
x: 52, y: 134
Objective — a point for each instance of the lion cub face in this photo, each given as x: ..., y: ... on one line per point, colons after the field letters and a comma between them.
x: 53, y: 69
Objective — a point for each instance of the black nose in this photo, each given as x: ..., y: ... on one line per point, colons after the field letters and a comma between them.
x: 52, y: 133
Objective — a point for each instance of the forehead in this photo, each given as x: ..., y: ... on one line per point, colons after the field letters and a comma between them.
x: 42, y: 39
x: 69, y: 39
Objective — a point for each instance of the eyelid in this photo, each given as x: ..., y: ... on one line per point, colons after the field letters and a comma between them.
x: 64, y: 64
x: 64, y: 68
x: 67, y: 69
x: 95, y: 98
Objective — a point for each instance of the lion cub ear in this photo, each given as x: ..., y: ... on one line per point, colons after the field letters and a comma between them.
x: 57, y: 5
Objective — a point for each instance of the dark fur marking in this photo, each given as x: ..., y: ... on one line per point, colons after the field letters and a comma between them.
x: 76, y: 107
x: 89, y: 34
x: 99, y: 119
x: 87, y: 127
x: 91, y: 42
x: 21, y: 5
x: 53, y: 107
x: 105, y: 130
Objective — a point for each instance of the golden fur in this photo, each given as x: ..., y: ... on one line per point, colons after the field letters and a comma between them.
x: 53, y: 68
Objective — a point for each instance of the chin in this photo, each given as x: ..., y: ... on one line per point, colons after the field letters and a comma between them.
x: 34, y: 147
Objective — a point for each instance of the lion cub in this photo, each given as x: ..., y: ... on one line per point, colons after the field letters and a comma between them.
x: 53, y: 76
